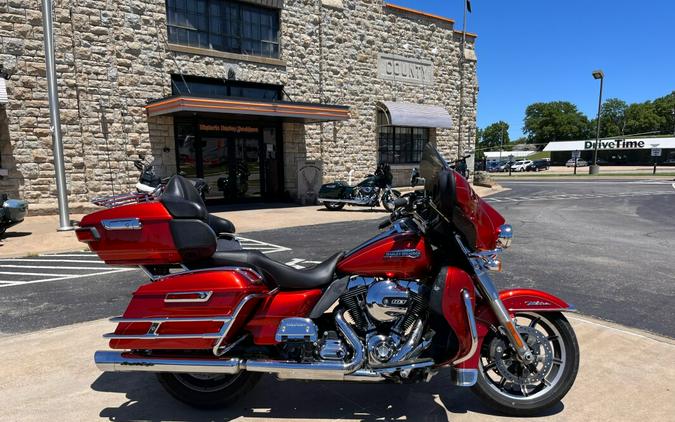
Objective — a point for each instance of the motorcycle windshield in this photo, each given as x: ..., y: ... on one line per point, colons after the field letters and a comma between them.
x: 456, y: 200
x: 431, y: 165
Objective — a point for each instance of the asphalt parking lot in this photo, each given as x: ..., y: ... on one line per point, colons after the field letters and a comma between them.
x: 605, y: 246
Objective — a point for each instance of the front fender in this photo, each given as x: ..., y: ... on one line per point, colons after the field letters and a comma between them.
x: 515, y: 300
x: 518, y: 300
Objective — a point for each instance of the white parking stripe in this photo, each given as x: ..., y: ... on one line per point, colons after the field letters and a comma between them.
x: 35, y: 274
x: 48, y: 267
x: 68, y: 277
x: 49, y: 260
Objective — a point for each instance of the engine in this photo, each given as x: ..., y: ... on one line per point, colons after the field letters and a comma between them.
x: 389, y: 314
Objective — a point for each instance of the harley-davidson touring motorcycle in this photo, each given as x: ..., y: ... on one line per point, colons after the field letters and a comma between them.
x: 370, y: 192
x: 414, y: 301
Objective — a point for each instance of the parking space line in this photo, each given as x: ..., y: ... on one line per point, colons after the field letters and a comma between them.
x: 68, y: 277
x: 49, y: 267
x: 47, y: 260
x: 34, y: 274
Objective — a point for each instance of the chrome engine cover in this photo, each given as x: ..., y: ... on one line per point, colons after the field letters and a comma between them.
x: 386, y: 300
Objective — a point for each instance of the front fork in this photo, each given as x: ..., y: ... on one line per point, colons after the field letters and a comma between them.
x: 488, y: 290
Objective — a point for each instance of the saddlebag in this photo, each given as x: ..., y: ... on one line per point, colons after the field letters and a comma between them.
x: 335, y: 190
x: 194, y: 310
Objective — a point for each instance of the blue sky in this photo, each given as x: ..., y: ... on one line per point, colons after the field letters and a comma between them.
x: 531, y: 51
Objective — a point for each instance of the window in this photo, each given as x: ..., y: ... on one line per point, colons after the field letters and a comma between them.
x: 398, y: 144
x: 224, y: 25
x: 219, y: 88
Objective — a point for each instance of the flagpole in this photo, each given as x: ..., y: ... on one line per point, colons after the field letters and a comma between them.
x: 461, y: 82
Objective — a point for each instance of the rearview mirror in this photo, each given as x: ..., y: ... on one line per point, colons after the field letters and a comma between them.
x: 415, y: 179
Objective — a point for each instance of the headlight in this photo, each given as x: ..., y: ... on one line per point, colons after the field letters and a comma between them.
x: 505, y: 235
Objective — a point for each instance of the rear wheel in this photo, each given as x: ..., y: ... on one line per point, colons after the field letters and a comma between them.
x: 334, y: 206
x: 525, y: 390
x: 208, y: 391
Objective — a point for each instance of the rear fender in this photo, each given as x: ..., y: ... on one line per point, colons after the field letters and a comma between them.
x: 515, y: 300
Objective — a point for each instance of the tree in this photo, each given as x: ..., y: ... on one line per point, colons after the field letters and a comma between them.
x: 612, y: 118
x: 554, y: 121
x: 494, y: 135
x: 665, y: 107
x: 643, y: 118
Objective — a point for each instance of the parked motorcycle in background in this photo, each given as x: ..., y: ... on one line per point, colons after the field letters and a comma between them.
x: 12, y: 212
x: 150, y: 183
x: 373, y: 190
x: 414, y: 300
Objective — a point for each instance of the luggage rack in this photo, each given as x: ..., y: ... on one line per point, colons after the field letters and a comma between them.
x: 125, y: 199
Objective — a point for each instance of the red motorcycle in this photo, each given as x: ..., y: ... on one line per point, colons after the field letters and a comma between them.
x: 412, y: 301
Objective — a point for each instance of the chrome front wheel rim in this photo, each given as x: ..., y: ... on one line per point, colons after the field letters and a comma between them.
x: 515, y: 386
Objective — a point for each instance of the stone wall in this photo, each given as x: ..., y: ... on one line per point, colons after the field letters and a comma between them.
x: 112, y: 57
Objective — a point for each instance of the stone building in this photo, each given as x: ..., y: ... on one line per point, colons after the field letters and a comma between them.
x: 248, y: 94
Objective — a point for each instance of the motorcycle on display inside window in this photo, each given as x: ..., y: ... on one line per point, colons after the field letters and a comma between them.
x: 413, y: 302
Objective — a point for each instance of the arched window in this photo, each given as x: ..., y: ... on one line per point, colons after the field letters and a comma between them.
x: 400, y: 144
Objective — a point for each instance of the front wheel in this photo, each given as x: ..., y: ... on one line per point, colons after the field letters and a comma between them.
x: 208, y: 391
x: 526, y: 390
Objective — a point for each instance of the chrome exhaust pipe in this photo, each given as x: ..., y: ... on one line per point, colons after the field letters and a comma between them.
x: 111, y: 361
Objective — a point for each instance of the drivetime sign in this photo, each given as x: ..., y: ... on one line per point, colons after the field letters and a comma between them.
x: 615, y: 144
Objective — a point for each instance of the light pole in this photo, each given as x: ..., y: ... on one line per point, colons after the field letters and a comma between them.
x: 595, y: 169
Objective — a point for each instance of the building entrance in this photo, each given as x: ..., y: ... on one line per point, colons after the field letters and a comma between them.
x: 240, y: 162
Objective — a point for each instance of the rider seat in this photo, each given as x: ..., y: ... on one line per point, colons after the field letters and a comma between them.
x: 284, y: 276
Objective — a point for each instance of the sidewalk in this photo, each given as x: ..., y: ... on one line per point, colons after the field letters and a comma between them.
x: 38, y: 234
x: 624, y: 375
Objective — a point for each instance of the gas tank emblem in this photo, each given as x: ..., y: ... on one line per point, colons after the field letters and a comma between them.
x: 403, y: 253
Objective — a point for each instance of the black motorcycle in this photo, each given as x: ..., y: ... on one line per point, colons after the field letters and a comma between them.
x: 12, y: 212
x: 373, y: 190
x: 150, y: 183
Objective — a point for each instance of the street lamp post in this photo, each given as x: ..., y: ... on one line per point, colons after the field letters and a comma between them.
x: 595, y: 169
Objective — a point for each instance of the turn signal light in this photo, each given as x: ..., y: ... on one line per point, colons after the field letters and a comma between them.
x: 87, y: 234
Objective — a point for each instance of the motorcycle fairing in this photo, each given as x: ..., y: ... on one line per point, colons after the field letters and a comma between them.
x: 446, y: 298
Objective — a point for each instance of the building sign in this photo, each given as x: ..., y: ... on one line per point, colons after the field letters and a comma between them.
x: 398, y: 68
x: 205, y: 127
x: 611, y: 144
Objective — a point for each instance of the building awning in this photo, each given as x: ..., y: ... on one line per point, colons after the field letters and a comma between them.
x: 416, y: 115
x: 3, y: 91
x: 293, y: 111
x: 612, y: 144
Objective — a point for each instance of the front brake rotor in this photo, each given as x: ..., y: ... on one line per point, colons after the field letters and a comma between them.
x: 510, y: 367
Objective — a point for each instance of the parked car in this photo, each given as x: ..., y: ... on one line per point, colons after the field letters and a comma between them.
x: 492, y: 166
x: 538, y: 165
x: 520, y: 165
x: 504, y: 166
x: 580, y: 163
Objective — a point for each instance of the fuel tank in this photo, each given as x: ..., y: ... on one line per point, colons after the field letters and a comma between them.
x: 393, y: 254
